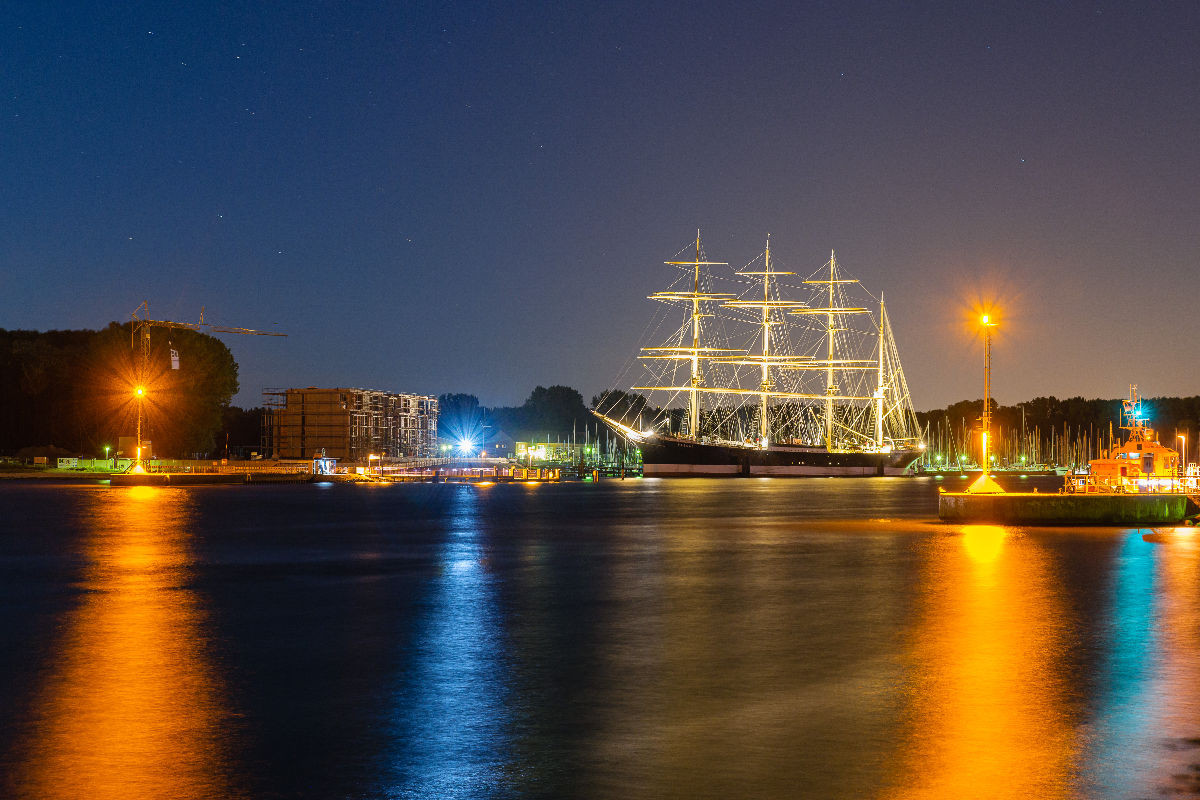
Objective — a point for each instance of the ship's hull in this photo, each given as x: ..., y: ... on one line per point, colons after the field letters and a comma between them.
x: 666, y: 457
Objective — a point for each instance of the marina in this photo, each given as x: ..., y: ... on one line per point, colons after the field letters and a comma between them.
x: 1138, y: 482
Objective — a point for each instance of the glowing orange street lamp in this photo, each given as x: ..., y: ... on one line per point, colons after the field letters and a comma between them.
x: 140, y: 392
x: 1183, y: 464
x: 984, y: 485
x: 987, y: 324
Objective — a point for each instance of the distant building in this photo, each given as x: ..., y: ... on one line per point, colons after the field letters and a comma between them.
x: 348, y: 424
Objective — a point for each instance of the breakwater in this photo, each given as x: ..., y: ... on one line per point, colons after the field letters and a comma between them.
x: 1035, y: 508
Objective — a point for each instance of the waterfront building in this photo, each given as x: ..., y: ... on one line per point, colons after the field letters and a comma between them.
x: 348, y: 424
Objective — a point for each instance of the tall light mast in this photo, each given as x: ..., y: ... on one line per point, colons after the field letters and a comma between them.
x: 986, y: 419
x: 984, y: 484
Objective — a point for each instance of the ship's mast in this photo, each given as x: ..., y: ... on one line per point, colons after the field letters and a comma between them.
x: 882, y: 378
x: 830, y: 386
x: 833, y: 312
x: 695, y: 298
x: 767, y: 384
x: 897, y: 402
x: 767, y: 310
x: 693, y: 397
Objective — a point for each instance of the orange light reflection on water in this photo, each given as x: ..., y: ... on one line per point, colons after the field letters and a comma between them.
x: 1176, y: 731
x: 988, y: 714
x: 130, y: 706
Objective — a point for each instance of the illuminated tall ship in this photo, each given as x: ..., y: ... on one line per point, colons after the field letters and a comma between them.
x: 770, y: 386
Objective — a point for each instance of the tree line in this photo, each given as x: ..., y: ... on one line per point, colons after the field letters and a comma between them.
x: 559, y: 411
x: 72, y: 391
x: 548, y: 412
x: 1049, y: 429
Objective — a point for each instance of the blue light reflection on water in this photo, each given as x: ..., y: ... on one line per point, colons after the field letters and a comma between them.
x: 450, y: 707
x: 1121, y: 729
x: 700, y: 638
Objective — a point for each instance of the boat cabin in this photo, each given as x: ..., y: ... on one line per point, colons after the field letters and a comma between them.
x: 1140, y: 464
x: 1137, y: 459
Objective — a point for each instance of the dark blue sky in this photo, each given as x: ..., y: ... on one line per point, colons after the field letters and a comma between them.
x: 475, y: 197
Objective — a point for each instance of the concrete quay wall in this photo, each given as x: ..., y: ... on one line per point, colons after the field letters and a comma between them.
x: 205, y: 479
x: 1064, y: 509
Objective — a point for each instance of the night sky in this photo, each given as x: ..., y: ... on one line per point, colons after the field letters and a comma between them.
x: 472, y: 197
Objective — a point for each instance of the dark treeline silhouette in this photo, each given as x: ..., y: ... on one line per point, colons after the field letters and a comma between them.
x: 555, y: 412
x: 1049, y: 429
x: 73, y: 390
x: 1045, y: 428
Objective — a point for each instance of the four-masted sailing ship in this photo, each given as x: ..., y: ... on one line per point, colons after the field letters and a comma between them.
x: 815, y: 389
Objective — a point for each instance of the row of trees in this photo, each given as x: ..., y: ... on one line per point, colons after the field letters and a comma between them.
x: 560, y: 411
x: 74, y: 390
x: 1049, y: 429
x: 555, y: 411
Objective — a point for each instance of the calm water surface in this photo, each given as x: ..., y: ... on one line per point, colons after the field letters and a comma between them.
x: 641, y: 638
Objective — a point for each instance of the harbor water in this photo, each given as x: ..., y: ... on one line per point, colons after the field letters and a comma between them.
x: 641, y: 638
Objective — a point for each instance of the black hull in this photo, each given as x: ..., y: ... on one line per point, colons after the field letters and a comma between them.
x: 677, y: 458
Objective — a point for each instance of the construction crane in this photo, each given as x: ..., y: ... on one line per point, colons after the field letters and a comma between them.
x: 140, y: 332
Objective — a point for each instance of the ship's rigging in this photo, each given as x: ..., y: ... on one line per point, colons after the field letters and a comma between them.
x: 753, y: 366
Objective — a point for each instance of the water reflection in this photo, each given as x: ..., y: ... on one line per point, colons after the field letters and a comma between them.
x: 1146, y: 728
x: 452, y: 719
x: 747, y: 659
x: 1120, y: 730
x: 130, y: 705
x: 990, y: 712
x: 1179, y: 706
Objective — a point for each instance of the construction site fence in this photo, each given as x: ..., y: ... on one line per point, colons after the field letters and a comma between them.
x: 231, y: 468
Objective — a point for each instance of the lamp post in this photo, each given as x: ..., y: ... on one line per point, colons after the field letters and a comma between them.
x: 985, y: 320
x: 1183, y: 464
x: 984, y: 483
x: 106, y: 449
x: 141, y: 393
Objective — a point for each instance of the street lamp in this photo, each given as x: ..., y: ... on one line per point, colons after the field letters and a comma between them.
x: 1183, y: 466
x: 984, y: 484
x: 106, y: 449
x: 140, y: 393
x: 987, y: 324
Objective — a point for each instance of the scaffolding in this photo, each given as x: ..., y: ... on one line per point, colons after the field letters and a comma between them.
x: 348, y: 424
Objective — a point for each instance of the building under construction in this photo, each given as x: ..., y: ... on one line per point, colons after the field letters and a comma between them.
x: 348, y: 424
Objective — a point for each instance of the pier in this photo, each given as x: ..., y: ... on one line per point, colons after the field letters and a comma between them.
x: 468, y: 471
x: 1034, y: 508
